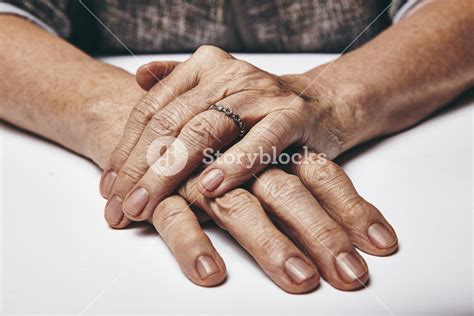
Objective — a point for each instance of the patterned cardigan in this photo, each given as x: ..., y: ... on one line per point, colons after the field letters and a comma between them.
x: 151, y: 26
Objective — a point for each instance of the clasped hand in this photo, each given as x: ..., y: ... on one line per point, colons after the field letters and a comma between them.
x: 298, y: 220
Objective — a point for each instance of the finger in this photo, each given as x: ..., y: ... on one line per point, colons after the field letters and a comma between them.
x: 166, y: 122
x: 253, y: 153
x: 285, y: 197
x: 142, y: 198
x: 364, y: 223
x: 140, y: 175
x: 149, y: 74
x: 192, y: 249
x: 171, y: 119
x: 114, y: 215
x: 241, y: 214
x: 176, y: 83
x: 205, y: 57
x: 184, y: 77
x: 117, y: 219
x: 207, y: 130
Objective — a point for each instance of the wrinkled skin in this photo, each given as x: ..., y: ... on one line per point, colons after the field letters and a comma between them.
x: 275, y: 113
x: 99, y: 112
x: 327, y: 231
x: 375, y: 96
x: 315, y: 206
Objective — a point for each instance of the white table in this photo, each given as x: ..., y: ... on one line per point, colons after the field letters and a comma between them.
x: 59, y: 256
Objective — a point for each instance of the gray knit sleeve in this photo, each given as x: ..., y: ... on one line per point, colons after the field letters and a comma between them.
x: 50, y: 14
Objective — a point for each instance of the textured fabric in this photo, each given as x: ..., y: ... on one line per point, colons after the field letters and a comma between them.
x: 11, y: 9
x: 147, y: 26
x: 51, y: 12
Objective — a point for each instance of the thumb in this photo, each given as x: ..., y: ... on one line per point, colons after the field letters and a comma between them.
x: 149, y: 74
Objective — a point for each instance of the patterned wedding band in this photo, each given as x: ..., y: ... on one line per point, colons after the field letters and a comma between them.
x: 228, y: 112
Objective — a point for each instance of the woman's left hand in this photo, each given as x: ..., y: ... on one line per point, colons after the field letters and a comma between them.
x: 277, y: 112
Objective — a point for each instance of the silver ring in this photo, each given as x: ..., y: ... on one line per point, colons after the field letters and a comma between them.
x: 228, y: 112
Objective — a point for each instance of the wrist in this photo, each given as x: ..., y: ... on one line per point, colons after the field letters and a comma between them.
x: 105, y: 116
x: 342, y: 106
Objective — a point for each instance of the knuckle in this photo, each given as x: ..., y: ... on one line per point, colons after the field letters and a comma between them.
x: 285, y: 187
x: 272, y: 246
x: 269, y: 85
x: 205, y: 49
x: 270, y: 135
x: 200, y: 131
x: 208, y: 50
x: 243, y: 67
x: 236, y: 73
x: 189, y: 191
x: 324, y: 174
x: 326, y: 235
x: 164, y: 124
x: 120, y: 155
x: 167, y: 214
x: 245, y: 76
x: 129, y: 175
x: 233, y: 204
x: 355, y: 208
x: 332, y: 169
x: 145, y: 109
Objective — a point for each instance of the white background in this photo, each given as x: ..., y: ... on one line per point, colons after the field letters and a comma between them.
x: 59, y: 256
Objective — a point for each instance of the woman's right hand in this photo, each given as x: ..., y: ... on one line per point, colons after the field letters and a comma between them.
x: 315, y: 207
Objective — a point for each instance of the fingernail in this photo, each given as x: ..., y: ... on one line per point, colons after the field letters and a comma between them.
x: 113, y: 210
x: 108, y: 183
x: 380, y: 236
x: 212, y: 179
x: 136, y: 201
x: 206, y: 266
x: 349, y: 267
x: 298, y: 270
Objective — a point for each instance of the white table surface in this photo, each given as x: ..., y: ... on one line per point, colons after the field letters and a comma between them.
x: 59, y: 256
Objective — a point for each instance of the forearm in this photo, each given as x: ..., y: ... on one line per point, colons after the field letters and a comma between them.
x: 53, y: 89
x: 403, y: 75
